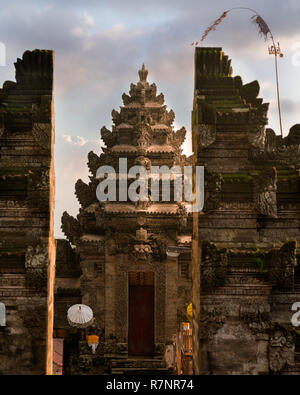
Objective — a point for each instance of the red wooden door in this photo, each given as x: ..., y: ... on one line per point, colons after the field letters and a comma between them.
x: 141, y: 319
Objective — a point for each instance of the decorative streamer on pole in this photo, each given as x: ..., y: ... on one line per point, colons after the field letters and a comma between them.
x: 264, y: 30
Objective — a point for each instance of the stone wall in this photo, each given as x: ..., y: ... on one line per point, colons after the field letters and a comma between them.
x: 249, y: 230
x: 26, y: 205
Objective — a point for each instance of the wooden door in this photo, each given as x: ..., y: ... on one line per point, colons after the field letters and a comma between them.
x: 141, y: 314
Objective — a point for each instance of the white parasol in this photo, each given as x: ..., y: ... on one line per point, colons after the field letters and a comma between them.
x: 80, y: 315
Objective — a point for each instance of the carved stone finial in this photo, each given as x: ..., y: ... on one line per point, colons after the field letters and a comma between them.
x: 211, y: 62
x: 35, y: 70
x: 143, y: 73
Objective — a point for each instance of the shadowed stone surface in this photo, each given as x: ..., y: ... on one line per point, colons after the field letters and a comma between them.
x: 250, y: 222
x: 26, y: 176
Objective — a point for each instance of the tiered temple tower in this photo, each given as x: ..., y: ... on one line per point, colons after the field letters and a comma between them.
x: 127, y: 278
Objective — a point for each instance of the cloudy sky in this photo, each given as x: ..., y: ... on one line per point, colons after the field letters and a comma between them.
x: 100, y: 44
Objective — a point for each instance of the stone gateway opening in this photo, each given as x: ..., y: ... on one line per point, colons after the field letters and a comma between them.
x: 141, y: 314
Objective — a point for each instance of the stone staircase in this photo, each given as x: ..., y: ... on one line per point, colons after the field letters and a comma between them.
x: 135, y: 366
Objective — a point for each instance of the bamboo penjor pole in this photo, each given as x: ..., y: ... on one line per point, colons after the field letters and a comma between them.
x: 263, y: 30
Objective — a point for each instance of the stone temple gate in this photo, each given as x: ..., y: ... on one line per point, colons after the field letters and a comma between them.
x: 133, y: 262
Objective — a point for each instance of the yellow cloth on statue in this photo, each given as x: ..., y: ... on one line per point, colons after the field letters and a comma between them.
x: 189, y: 311
x: 92, y: 339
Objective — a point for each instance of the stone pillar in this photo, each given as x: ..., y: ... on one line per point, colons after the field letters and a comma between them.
x: 262, y: 354
x: 121, y: 298
x: 110, y: 279
x: 51, y: 255
x: 171, y: 295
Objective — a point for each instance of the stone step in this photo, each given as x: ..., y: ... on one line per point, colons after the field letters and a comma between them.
x: 224, y: 97
x: 139, y: 366
x: 141, y: 371
x: 219, y: 91
x: 18, y: 98
x: 137, y: 363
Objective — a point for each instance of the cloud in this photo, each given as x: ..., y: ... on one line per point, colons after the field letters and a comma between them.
x: 88, y: 19
x: 267, y: 85
x: 79, y: 140
x: 67, y: 138
x: 290, y: 106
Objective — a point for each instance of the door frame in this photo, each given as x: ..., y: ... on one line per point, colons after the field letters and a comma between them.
x: 150, y: 278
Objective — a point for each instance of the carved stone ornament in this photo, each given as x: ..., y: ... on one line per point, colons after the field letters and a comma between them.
x: 36, y: 265
x: 281, y: 349
x: 212, y: 191
x: 282, y: 264
x: 116, y: 117
x: 284, y: 151
x: 259, y: 114
x: 118, y: 242
x: 211, y: 321
x: 183, y: 216
x: 85, y: 194
x: 177, y: 138
x: 108, y: 137
x: 256, y: 317
x: 93, y: 162
x: 256, y: 136
x: 214, y: 266
x: 142, y: 251
x: 71, y: 227
x: 264, y: 189
x: 149, y: 246
x: 42, y: 112
x: 142, y: 246
x: 42, y: 134
x: 38, y: 189
x: 206, y: 134
x: 143, y: 139
x: 143, y: 205
x: 143, y: 161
